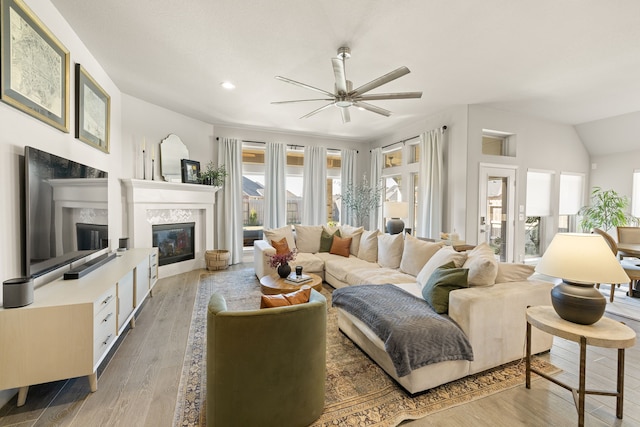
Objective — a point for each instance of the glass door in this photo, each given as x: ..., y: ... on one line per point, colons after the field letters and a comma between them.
x: 496, y: 214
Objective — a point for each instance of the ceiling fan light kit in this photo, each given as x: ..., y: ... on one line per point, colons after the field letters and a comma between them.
x: 345, y: 96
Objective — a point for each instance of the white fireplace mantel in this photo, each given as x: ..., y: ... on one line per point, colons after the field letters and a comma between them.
x: 145, y: 198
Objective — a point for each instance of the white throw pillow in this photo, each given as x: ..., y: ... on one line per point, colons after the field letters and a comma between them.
x: 508, y: 272
x: 368, y: 250
x: 482, y: 264
x: 444, y: 256
x: 355, y: 233
x: 308, y: 238
x: 278, y: 233
x: 416, y: 253
x: 390, y: 250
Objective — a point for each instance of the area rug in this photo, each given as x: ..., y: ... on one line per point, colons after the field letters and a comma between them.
x: 358, y: 392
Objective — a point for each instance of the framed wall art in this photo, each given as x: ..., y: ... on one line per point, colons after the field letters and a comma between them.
x: 93, y: 111
x: 34, y: 66
x: 190, y: 171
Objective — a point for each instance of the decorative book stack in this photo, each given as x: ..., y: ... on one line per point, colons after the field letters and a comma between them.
x: 294, y: 279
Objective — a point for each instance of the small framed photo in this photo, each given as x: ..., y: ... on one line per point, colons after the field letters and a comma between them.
x: 34, y: 66
x: 190, y: 171
x: 93, y: 113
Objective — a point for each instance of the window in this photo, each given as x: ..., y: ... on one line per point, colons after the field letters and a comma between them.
x: 334, y: 171
x: 252, y: 193
x: 393, y: 158
x: 293, y: 184
x: 571, y: 199
x: 538, y: 208
x: 497, y: 143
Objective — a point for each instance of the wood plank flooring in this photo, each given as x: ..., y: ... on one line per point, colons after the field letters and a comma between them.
x: 138, y: 384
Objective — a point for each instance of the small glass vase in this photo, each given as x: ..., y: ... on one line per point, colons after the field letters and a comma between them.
x: 284, y: 270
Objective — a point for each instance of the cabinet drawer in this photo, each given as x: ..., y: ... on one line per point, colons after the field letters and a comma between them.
x: 104, y: 330
x: 104, y: 300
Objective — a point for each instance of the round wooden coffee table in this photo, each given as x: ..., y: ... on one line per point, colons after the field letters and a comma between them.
x: 274, y: 284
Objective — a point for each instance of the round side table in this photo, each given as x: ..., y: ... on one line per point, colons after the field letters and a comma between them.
x: 605, y: 333
x: 274, y: 284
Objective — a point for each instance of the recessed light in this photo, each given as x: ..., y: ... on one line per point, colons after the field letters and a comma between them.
x: 228, y: 85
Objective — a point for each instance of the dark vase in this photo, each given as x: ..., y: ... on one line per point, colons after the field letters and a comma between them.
x: 284, y: 270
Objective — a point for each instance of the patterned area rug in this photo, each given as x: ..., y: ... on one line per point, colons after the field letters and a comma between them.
x: 358, y: 392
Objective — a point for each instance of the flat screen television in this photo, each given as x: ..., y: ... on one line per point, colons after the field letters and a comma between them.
x: 66, y: 210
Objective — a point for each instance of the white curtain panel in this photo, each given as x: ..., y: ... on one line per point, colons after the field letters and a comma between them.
x: 348, y: 177
x: 275, y: 193
x: 229, y: 200
x: 314, y: 186
x: 375, y: 218
x: 429, y: 221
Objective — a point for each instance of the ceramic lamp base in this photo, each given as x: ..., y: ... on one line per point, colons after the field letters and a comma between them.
x: 578, y: 302
x: 395, y: 226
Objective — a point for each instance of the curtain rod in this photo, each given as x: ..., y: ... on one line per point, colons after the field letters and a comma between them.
x: 288, y: 145
x: 402, y: 141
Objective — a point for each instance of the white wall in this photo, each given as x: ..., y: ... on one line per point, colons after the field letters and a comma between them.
x: 20, y: 129
x: 615, y: 171
x: 540, y: 145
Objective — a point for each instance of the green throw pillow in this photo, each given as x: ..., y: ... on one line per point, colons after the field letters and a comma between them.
x: 443, y: 280
x: 326, y: 240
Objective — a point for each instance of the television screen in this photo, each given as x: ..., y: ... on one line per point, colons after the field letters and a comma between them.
x: 66, y: 208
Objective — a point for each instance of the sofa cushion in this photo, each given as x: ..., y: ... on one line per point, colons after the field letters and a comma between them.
x: 308, y: 238
x: 416, y: 253
x: 442, y: 281
x: 443, y: 256
x: 339, y: 266
x: 326, y: 239
x: 300, y: 296
x: 482, y: 265
x: 279, y: 233
x: 355, y: 233
x: 508, y: 272
x: 368, y: 250
x: 340, y: 246
x: 377, y: 276
x: 281, y: 246
x: 309, y: 262
x: 390, y: 250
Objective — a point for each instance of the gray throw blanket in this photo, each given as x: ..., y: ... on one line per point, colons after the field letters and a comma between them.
x: 413, y: 334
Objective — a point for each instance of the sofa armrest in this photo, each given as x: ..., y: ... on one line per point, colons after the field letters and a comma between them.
x: 494, y: 320
x: 261, y: 248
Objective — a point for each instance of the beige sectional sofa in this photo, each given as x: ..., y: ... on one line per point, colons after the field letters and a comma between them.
x: 491, y: 312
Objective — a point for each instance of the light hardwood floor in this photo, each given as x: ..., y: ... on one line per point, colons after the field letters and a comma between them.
x: 138, y: 384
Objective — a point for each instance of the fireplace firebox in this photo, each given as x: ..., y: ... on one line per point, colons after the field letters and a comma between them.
x: 175, y: 242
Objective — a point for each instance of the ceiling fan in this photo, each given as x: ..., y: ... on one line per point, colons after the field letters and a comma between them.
x: 345, y: 96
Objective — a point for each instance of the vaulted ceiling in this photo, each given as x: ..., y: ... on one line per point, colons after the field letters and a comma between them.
x: 571, y: 61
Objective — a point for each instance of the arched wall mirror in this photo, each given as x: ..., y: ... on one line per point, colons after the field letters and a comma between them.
x: 172, y: 150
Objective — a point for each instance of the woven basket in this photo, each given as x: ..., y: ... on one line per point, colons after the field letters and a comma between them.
x: 217, y: 259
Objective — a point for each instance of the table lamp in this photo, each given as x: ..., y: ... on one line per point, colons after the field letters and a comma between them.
x: 395, y: 211
x: 580, y: 260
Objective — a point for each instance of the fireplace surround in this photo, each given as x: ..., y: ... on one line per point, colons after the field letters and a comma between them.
x: 151, y: 203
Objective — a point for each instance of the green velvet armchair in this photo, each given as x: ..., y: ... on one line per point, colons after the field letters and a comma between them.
x: 266, y: 367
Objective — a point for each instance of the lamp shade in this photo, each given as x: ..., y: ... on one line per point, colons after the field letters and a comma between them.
x: 396, y: 209
x: 581, y: 258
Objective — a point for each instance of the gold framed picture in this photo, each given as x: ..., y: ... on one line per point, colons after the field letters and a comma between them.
x: 93, y: 111
x: 34, y: 66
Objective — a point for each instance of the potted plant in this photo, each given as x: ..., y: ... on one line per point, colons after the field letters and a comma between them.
x: 362, y: 199
x: 281, y: 262
x: 608, y: 210
x: 213, y: 175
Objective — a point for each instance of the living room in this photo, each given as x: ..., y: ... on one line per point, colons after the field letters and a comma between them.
x: 591, y: 147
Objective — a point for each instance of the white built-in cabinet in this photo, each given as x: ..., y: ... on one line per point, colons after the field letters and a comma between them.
x: 72, y: 324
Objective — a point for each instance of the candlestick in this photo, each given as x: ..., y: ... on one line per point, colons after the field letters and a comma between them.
x: 144, y: 165
x: 152, y: 168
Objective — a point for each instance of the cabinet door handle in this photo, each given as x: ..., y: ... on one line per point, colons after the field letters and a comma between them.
x: 107, y: 340
x: 107, y: 299
x: 107, y: 317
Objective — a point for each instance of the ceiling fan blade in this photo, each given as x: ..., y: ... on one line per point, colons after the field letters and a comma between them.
x: 346, y: 117
x: 316, y: 111
x: 399, y: 72
x: 372, y: 108
x: 341, y: 77
x: 302, y: 100
x: 398, y: 95
x: 306, y: 86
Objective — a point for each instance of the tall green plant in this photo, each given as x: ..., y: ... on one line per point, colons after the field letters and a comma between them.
x: 362, y: 199
x: 608, y: 209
